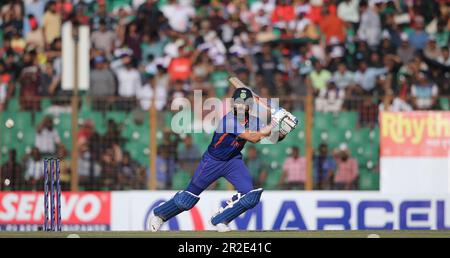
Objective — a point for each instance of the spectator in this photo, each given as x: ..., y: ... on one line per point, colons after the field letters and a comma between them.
x: 47, y: 138
x: 129, y: 81
x: 6, y: 85
x: 330, y: 99
x: 189, y: 155
x: 102, y: 84
x: 103, y: 39
x: 332, y: 26
x: 102, y: 14
x: 319, y: 77
x: 370, y: 25
x: 64, y: 167
x: 127, y: 172
x: 109, y: 169
x: 152, y: 92
x: 293, y: 175
x: 257, y: 167
x: 165, y: 168
x: 283, y: 14
x: 133, y: 40
x: 365, y: 77
x: 29, y: 83
x: 368, y: 112
x: 444, y: 58
x: 267, y: 65
x: 343, y: 78
x: 405, y: 51
x: 85, y: 132
x: 418, y: 37
x: 180, y: 67
x: 324, y: 167
x: 51, y: 23
x: 347, y: 10
x: 34, y: 172
x: 396, y: 104
x: 112, y: 136
x: 50, y: 81
x: 431, y: 50
x: 149, y: 13
x: 184, y: 13
x: 11, y: 173
x: 35, y: 37
x: 89, y: 170
x: 424, y: 93
x: 347, y: 170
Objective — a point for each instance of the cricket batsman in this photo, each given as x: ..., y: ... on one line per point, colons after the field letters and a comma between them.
x: 223, y: 158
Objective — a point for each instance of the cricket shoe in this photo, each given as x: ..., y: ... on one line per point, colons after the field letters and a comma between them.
x: 222, y: 227
x: 155, y: 223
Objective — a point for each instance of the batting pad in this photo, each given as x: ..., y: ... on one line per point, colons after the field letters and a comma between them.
x: 182, y: 201
x: 233, y: 210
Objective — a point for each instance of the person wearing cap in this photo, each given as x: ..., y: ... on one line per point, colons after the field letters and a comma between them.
x: 386, y: 45
x: 102, y: 83
x: 431, y: 50
x: 424, y: 93
x: 346, y: 170
x: 405, y: 51
x: 222, y: 158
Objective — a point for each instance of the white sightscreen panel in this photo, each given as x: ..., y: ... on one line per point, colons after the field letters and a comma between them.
x: 67, y: 57
x: 83, y: 57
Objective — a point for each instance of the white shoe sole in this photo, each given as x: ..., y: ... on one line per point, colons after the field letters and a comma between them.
x: 222, y: 227
x: 155, y: 223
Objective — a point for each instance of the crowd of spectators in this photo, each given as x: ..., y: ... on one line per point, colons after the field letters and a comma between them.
x: 358, y: 55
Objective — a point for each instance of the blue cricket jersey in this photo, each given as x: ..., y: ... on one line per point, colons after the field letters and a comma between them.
x: 226, y: 143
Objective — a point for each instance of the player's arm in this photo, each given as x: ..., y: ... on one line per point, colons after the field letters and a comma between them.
x: 256, y: 136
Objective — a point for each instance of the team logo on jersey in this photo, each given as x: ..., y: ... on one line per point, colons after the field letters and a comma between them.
x: 243, y: 95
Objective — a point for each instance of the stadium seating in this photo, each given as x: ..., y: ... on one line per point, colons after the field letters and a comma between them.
x: 180, y: 180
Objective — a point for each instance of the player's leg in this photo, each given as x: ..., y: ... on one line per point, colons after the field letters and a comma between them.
x: 206, y: 173
x: 239, y: 176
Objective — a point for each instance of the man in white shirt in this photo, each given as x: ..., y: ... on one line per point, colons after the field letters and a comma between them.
x: 178, y: 15
x: 330, y: 99
x: 151, y: 90
x: 129, y: 81
x: 343, y: 77
x: 47, y: 138
x: 34, y: 170
x: 267, y: 5
x: 348, y: 11
x: 424, y: 93
x: 370, y: 25
x: 396, y: 104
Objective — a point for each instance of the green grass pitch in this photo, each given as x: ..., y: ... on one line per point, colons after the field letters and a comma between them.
x: 237, y: 234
